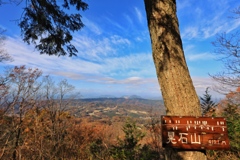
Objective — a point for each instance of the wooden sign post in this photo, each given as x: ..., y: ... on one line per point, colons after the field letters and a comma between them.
x: 195, y: 133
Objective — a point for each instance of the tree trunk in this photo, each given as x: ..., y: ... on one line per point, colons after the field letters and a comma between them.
x: 179, y: 95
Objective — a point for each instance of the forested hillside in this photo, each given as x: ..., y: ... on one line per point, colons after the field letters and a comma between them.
x: 43, y: 119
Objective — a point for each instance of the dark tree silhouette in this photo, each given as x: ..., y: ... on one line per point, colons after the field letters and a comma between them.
x: 207, y: 103
x: 49, y: 26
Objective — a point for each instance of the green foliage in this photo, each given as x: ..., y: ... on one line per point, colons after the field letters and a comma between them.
x: 98, y: 150
x: 148, y: 154
x: 48, y: 26
x: 233, y: 124
x: 129, y: 147
x: 207, y: 104
x: 231, y: 113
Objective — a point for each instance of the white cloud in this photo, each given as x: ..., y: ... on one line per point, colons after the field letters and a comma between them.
x: 208, y: 21
x: 139, y: 14
x: 134, y: 64
x: 202, y: 83
x: 234, y: 25
x: 133, y: 68
x: 114, y: 23
x: 26, y: 55
x: 128, y: 80
x: 189, y: 48
x: 99, y: 48
x: 200, y: 56
x: 115, y: 39
x: 130, y: 21
x: 92, y: 26
x: 198, y: 12
x: 190, y: 32
x: 107, y: 58
x: 182, y: 4
x: 93, y: 59
x: 207, y: 29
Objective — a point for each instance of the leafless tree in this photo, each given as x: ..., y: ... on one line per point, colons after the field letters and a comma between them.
x: 34, y: 117
x: 227, y: 47
x: 21, y: 91
x: 156, y: 133
x: 53, y: 139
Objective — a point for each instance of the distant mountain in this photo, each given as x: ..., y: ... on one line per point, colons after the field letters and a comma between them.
x: 135, y: 97
x: 125, y: 100
x: 107, y: 96
x: 132, y: 97
x: 125, y: 97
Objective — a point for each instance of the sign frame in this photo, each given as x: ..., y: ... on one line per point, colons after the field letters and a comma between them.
x: 195, y: 133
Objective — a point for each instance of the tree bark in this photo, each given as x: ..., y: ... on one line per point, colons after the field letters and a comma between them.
x: 179, y: 95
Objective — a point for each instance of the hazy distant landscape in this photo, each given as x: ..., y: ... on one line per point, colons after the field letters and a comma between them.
x: 135, y: 107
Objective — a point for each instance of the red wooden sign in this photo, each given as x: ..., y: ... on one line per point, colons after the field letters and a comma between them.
x: 195, y: 133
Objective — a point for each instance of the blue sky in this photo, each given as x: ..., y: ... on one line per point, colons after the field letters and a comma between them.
x: 115, y: 50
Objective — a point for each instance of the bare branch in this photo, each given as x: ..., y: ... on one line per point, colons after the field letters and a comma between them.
x: 227, y: 47
x: 237, y: 12
x: 4, y: 56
